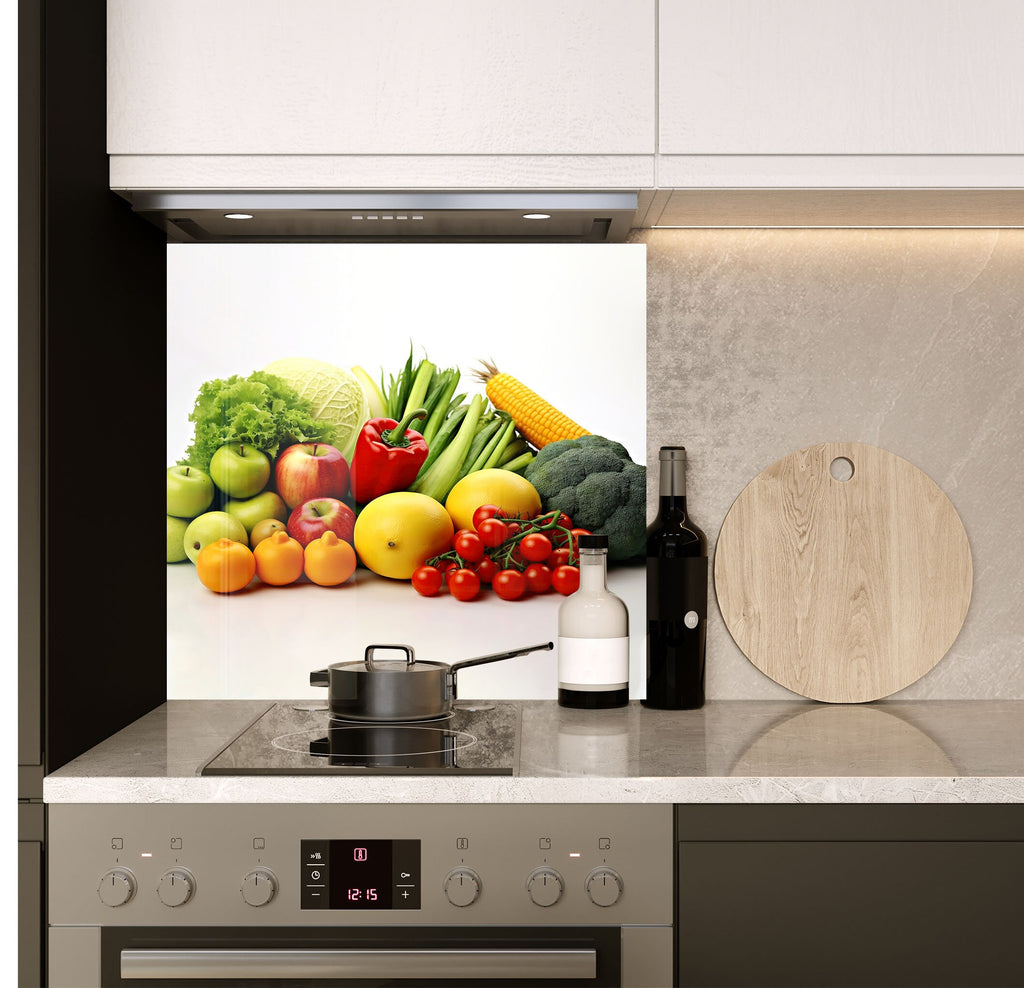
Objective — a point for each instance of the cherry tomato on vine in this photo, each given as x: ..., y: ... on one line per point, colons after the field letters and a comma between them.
x: 469, y: 545
x: 514, y: 528
x: 576, y: 533
x: 535, y: 547
x: 492, y: 532
x: 463, y: 583
x: 509, y: 584
x: 427, y: 580
x: 559, y: 537
x: 538, y: 578
x: 484, y: 512
x: 566, y: 580
x: 560, y: 557
x: 485, y: 569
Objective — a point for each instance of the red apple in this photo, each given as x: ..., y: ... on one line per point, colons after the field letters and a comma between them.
x: 321, y: 514
x: 309, y: 470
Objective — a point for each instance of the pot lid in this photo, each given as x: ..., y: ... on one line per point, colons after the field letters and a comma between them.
x: 370, y: 663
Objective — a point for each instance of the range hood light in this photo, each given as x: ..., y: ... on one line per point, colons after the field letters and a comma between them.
x: 536, y: 216
x: 238, y: 216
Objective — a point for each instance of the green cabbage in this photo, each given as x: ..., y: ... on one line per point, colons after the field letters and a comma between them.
x: 333, y: 393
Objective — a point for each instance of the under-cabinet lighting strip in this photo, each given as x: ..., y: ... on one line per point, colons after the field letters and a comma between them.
x: 823, y: 226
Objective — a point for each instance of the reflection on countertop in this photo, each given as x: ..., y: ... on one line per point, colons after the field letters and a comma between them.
x: 729, y: 751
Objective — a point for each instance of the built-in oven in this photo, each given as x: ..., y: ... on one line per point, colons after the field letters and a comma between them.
x: 327, y: 894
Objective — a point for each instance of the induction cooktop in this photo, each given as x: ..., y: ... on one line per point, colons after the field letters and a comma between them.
x: 300, y: 738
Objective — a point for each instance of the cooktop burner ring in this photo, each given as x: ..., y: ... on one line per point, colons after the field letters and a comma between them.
x: 301, y: 743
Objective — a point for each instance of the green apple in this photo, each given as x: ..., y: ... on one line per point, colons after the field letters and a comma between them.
x: 189, y: 491
x: 208, y: 528
x: 264, y: 529
x: 176, y: 539
x: 255, y: 509
x: 240, y: 470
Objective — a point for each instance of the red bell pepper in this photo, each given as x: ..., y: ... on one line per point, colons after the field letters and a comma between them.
x: 387, y: 457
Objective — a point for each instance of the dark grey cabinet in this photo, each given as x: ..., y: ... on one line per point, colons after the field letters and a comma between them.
x: 864, y: 895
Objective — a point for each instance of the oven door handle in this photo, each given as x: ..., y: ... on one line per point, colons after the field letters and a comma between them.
x: 441, y: 965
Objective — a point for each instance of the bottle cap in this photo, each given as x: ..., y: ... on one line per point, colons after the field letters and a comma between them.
x: 593, y: 541
x: 672, y: 453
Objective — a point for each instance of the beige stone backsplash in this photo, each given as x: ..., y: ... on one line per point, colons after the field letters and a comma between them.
x: 761, y: 342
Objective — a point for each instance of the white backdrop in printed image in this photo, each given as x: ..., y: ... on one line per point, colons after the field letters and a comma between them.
x: 569, y: 320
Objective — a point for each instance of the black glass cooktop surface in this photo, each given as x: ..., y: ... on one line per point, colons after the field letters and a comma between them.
x: 300, y: 738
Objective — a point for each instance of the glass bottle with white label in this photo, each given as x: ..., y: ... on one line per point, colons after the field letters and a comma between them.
x: 593, y: 636
x: 677, y: 594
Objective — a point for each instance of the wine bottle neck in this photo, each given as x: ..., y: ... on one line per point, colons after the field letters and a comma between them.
x: 672, y: 479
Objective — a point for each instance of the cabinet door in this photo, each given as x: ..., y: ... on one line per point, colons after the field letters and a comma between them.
x: 388, y: 77
x: 849, y: 913
x: 830, y: 77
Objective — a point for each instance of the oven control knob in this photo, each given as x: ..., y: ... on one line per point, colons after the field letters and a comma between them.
x: 545, y: 886
x: 462, y: 886
x: 176, y: 887
x: 259, y: 886
x: 117, y: 887
x: 604, y: 887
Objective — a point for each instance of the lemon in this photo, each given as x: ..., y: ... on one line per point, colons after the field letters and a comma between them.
x: 515, y: 495
x: 397, y: 532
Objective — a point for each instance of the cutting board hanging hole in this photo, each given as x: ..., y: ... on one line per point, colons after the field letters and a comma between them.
x: 841, y: 468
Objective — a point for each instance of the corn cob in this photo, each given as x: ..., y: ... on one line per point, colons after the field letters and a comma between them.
x: 538, y: 420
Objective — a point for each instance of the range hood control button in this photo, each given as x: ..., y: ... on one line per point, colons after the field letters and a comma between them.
x: 462, y: 886
x: 117, y: 887
x: 545, y: 886
x: 259, y: 886
x: 604, y: 887
x: 176, y: 887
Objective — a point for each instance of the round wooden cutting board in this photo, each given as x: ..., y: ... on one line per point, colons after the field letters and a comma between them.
x: 843, y: 590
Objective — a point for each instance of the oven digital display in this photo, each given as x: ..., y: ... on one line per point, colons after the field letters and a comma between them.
x: 360, y: 874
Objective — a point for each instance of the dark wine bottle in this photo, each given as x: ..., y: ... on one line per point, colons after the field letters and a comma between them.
x: 677, y: 594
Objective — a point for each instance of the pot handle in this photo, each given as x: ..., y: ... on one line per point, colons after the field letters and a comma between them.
x: 320, y: 678
x: 368, y: 657
x: 497, y: 656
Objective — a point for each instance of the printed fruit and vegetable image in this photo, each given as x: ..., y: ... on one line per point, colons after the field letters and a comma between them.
x: 303, y: 471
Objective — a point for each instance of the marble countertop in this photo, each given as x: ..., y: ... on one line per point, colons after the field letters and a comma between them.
x: 741, y: 751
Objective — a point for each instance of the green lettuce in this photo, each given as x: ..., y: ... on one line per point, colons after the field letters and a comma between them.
x: 260, y: 410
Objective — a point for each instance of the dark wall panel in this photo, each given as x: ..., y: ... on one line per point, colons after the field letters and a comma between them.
x: 103, y: 398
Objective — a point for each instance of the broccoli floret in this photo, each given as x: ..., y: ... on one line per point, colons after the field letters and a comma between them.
x: 593, y: 480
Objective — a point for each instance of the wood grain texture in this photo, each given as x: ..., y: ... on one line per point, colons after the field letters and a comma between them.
x: 843, y: 591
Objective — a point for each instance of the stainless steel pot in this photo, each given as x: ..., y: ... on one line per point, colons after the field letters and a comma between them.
x: 390, y: 691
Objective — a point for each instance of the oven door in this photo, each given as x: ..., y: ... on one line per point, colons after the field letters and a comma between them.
x: 290, y: 956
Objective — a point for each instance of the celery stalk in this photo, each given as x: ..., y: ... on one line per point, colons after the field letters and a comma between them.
x: 443, y: 438
x: 420, y: 385
x: 499, y: 447
x: 485, y: 432
x: 437, y: 416
x: 438, y: 481
x: 517, y: 447
x: 519, y: 464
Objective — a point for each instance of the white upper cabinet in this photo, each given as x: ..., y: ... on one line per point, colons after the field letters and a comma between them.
x: 337, y: 78
x: 881, y: 80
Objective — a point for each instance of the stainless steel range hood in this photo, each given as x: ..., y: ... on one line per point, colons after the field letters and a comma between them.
x: 381, y: 217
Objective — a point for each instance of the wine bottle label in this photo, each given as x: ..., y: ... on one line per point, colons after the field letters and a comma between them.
x: 677, y: 589
x: 593, y: 663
